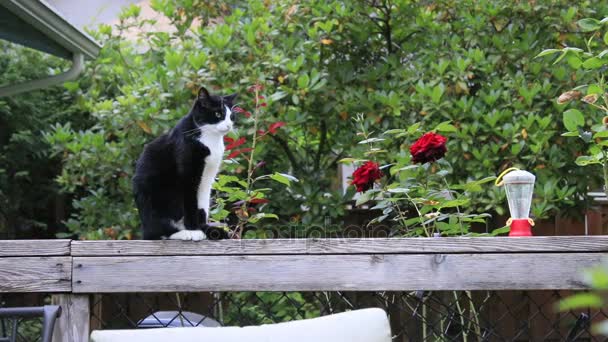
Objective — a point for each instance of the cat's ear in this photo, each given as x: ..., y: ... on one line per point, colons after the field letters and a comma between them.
x: 203, y: 95
x: 230, y: 98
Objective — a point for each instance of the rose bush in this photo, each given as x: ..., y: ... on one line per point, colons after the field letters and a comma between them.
x: 415, y: 199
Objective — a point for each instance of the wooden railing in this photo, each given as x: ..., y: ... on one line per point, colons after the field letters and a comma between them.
x: 71, y: 270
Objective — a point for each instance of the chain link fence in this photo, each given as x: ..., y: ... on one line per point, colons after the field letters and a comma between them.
x: 414, y: 316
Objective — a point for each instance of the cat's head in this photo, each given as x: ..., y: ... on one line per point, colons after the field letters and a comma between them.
x: 213, y: 113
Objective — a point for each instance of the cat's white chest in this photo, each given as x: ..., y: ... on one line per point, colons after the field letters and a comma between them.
x: 215, y: 144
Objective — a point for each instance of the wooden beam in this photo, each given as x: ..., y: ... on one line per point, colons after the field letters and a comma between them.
x: 73, y: 324
x: 13, y: 248
x: 36, y: 274
x: 332, y: 272
x: 565, y: 244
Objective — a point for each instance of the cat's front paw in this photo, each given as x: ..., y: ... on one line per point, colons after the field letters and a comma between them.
x: 187, y: 235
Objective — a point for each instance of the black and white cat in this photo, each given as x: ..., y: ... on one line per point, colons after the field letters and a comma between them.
x: 175, y: 172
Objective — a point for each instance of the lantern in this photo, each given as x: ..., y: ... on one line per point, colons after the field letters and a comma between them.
x: 519, y: 186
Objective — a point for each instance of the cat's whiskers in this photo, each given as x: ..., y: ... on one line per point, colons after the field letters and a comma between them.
x: 192, y: 130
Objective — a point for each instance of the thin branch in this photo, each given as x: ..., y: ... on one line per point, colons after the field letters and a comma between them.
x: 335, y: 161
x: 285, y: 146
x: 322, y: 142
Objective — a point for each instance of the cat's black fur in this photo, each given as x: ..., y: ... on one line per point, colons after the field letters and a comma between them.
x: 169, y: 171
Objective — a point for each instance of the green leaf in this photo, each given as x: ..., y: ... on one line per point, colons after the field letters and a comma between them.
x: 283, y: 178
x: 197, y: 61
x: 399, y: 190
x: 350, y: 160
x: 593, y: 63
x: 574, y: 62
x: 586, y: 160
x: 547, y: 52
x: 580, y: 301
x: 303, y: 81
x: 594, y: 89
x: 437, y: 93
x: 173, y: 59
x: 597, y: 278
x: 503, y: 230
x: 71, y: 86
x: 278, y: 95
x: 486, y: 180
x: 395, y: 131
x: 445, y: 126
x: 455, y: 203
x: 589, y: 24
x: 364, y: 197
x: 573, y: 118
x: 570, y: 134
x: 257, y: 217
x: 606, y: 38
x: 602, y: 134
x: 371, y: 140
x: 413, y: 128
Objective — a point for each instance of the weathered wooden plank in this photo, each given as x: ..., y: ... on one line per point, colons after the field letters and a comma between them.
x: 331, y: 272
x: 345, y: 246
x: 34, y: 247
x: 36, y: 274
x: 73, y: 324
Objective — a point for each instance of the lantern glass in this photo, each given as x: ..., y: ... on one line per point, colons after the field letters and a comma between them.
x: 519, y: 186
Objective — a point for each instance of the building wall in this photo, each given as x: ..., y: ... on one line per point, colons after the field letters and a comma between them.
x: 90, y: 13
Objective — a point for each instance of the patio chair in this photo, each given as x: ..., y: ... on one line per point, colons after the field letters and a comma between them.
x: 48, y: 313
x: 366, y: 325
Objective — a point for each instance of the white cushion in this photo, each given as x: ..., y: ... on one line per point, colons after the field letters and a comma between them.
x: 366, y: 325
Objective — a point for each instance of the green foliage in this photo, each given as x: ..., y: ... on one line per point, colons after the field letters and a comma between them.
x: 592, y: 126
x: 256, y: 308
x: 28, y: 194
x: 597, y: 279
x: 467, y: 62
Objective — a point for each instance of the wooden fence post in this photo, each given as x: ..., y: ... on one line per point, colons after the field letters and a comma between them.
x: 73, y: 325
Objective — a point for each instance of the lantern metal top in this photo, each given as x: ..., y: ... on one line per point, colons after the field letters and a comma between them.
x: 519, y: 177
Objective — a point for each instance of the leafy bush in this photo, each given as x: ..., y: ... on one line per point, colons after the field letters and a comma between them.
x: 29, y: 197
x: 589, y: 63
x: 323, y: 62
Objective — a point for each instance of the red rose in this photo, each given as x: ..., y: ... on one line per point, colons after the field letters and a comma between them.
x: 429, y: 148
x: 365, y: 176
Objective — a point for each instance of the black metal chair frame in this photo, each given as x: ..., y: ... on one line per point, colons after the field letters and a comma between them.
x: 49, y: 314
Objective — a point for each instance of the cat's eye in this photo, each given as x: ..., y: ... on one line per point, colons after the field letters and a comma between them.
x: 218, y: 115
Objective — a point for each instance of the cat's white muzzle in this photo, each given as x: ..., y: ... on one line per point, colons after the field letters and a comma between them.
x: 224, y: 129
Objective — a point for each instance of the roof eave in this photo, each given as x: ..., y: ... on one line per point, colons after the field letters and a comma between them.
x: 44, y: 18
